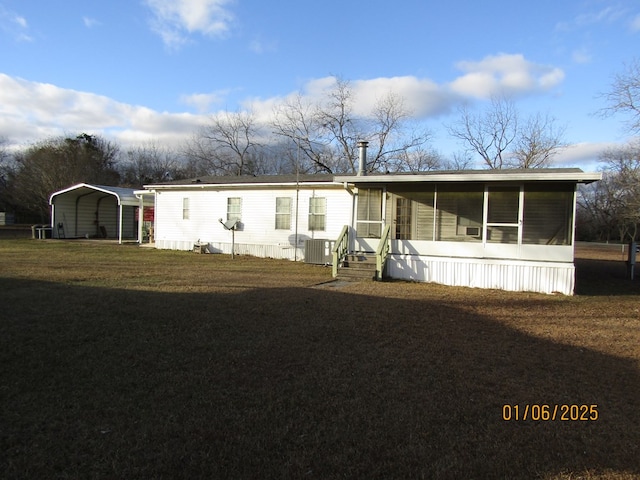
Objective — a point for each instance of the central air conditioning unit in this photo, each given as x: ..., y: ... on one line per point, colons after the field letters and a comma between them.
x: 318, y: 251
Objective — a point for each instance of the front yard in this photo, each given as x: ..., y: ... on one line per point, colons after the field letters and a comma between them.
x: 124, y: 362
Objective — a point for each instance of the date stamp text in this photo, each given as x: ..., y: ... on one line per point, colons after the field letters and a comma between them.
x: 562, y: 412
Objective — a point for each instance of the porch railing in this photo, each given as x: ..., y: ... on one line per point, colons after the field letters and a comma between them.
x: 340, y: 249
x: 383, y: 252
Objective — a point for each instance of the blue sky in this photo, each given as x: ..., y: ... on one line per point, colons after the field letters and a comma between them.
x: 154, y: 70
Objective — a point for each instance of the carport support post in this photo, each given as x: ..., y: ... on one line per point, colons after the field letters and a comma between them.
x: 140, y: 217
x: 119, y: 222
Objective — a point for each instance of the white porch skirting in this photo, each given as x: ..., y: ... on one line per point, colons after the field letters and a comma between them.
x: 512, y: 275
x: 283, y: 252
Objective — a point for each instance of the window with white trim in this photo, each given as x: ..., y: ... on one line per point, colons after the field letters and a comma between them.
x: 185, y: 208
x: 234, y: 209
x: 283, y: 213
x: 317, y: 213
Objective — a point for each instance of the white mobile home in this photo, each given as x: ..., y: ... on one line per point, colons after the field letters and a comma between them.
x: 509, y: 229
x: 274, y: 215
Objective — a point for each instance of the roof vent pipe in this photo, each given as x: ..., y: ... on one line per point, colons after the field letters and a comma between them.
x: 362, y: 165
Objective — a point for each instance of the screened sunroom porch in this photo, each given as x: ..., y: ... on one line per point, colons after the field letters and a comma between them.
x: 509, y: 229
x: 519, y: 221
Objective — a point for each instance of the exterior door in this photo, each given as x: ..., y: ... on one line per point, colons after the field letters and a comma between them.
x: 369, y: 211
x: 402, y: 219
x: 504, y: 214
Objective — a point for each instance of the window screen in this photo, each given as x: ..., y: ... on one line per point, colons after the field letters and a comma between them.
x: 548, y: 215
x: 459, y: 213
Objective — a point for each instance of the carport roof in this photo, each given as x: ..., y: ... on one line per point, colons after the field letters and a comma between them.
x: 125, y: 196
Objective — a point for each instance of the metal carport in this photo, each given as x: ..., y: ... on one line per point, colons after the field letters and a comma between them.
x: 85, y: 210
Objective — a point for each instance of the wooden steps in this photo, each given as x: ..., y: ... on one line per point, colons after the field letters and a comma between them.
x: 357, y: 266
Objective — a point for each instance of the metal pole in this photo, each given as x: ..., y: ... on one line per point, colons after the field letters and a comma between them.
x: 295, y: 247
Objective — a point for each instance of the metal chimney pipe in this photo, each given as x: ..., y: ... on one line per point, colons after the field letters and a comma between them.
x: 362, y: 164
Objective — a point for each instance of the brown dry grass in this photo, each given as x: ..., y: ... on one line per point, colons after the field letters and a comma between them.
x: 119, y: 362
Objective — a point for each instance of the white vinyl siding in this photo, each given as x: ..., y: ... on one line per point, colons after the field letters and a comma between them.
x: 317, y: 213
x: 257, y: 234
x: 283, y: 213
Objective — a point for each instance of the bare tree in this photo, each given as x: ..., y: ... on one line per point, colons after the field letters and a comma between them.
x: 149, y: 163
x: 312, y: 129
x: 624, y: 96
x: 459, y: 161
x: 539, y: 139
x: 503, y: 140
x: 612, y: 206
x: 395, y: 143
x: 228, y: 145
x: 56, y: 163
x: 4, y: 172
x: 327, y: 132
x: 623, y: 165
x: 419, y: 159
x: 3, y: 150
x: 596, y: 215
x: 489, y: 133
x: 338, y: 126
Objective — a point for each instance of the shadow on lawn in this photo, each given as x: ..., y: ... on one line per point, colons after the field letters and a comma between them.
x: 292, y: 383
x: 605, y: 277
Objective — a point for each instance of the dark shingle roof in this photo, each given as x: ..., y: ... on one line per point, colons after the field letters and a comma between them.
x: 229, y: 179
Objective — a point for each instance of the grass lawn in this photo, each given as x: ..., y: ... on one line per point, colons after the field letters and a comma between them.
x: 125, y: 362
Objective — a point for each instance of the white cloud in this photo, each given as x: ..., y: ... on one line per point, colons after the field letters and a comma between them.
x: 585, y: 155
x: 32, y: 111
x: 175, y: 20
x: 581, y: 56
x: 14, y: 25
x: 202, y: 102
x: 90, y: 22
x: 423, y: 97
x: 635, y: 24
x: 261, y: 46
x: 21, y: 21
x: 504, y: 74
x: 606, y: 15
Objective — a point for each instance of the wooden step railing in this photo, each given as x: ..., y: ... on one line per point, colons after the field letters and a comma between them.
x: 383, y: 252
x: 340, y: 249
